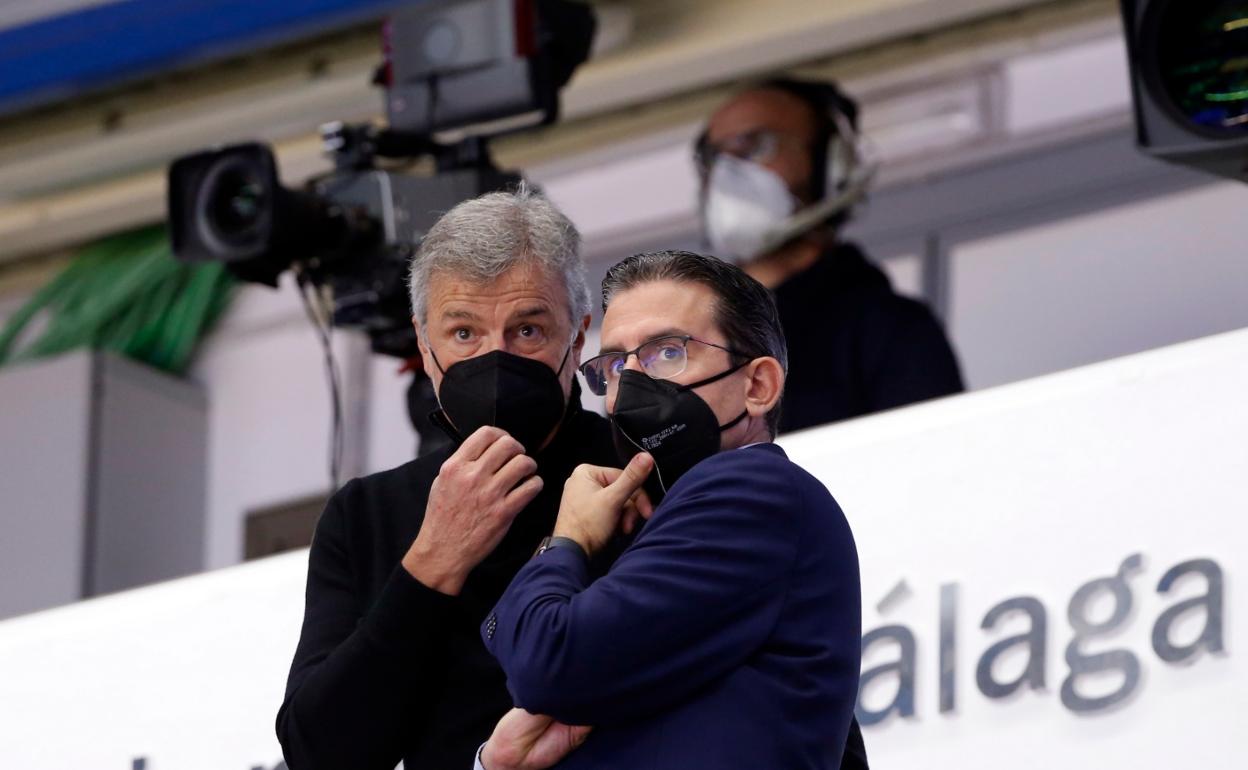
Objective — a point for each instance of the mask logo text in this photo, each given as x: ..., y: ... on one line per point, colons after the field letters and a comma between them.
x: 655, y: 441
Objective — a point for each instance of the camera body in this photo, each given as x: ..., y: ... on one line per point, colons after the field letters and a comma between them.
x: 450, y: 65
x: 353, y: 230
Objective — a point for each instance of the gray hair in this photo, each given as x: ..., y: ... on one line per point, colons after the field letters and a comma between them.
x: 482, y: 238
x: 745, y: 311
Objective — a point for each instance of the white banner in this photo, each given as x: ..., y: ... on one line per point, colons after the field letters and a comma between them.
x: 1048, y: 581
x: 1042, y: 494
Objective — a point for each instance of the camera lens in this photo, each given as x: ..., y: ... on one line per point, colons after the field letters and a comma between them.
x: 234, y: 207
x: 1202, y: 62
x: 236, y: 202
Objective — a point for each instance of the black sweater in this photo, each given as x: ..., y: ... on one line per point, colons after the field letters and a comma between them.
x: 387, y: 669
x: 855, y: 346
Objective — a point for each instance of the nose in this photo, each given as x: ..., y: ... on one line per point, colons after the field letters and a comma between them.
x: 494, y: 341
x: 633, y: 362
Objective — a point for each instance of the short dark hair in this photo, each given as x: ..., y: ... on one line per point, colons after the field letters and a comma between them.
x: 745, y: 311
x: 823, y: 97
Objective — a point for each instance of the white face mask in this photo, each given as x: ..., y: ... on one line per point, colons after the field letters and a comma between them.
x: 747, y: 210
x: 744, y: 208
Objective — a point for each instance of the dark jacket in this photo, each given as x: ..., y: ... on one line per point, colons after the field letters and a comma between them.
x: 726, y: 636
x: 855, y: 346
x: 387, y: 669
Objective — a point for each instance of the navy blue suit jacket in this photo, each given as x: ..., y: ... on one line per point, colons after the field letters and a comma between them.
x: 726, y: 636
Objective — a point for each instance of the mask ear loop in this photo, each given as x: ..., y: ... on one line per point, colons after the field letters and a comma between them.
x: 438, y: 416
x: 434, y: 356
x: 566, y: 353
x: 734, y: 421
x: 715, y: 377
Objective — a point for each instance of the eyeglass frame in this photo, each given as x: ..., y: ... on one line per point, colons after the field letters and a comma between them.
x: 768, y: 143
x: 685, y: 339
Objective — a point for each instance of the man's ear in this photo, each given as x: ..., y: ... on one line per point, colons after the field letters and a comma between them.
x: 764, y: 385
x: 426, y: 358
x: 420, y: 338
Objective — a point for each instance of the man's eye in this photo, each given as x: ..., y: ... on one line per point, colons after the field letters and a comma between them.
x: 463, y: 335
x: 529, y: 331
x: 615, y: 366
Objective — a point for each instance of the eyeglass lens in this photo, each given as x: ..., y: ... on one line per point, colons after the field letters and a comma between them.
x: 661, y: 359
x: 752, y: 146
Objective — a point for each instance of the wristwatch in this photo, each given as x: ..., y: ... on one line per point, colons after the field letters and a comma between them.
x: 558, y: 541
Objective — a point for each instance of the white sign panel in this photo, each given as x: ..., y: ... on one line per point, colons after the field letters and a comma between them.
x: 1086, y: 507
x: 1048, y: 581
x: 185, y: 675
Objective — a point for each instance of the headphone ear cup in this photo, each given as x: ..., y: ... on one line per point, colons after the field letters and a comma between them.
x: 841, y: 152
x: 842, y: 161
x: 835, y: 179
x: 842, y: 155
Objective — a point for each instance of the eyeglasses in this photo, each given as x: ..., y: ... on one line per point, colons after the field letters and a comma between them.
x: 662, y: 358
x: 758, y: 146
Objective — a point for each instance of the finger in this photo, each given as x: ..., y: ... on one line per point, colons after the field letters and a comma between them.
x: 502, y: 450
x: 514, y: 471
x: 630, y: 480
x: 534, y: 724
x: 522, y: 495
x: 642, y: 501
x: 629, y: 521
x: 480, y: 440
x: 578, y: 733
x: 553, y: 745
x: 600, y: 475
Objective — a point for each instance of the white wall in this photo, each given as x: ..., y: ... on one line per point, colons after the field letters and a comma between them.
x: 1121, y: 280
x: 45, y: 467
x: 269, y: 414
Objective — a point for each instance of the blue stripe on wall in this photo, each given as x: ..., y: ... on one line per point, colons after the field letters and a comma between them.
x: 65, y: 55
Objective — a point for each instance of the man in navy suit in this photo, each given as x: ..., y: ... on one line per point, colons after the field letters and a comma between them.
x: 728, y: 634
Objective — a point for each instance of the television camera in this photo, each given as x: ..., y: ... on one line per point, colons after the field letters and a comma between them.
x: 450, y: 65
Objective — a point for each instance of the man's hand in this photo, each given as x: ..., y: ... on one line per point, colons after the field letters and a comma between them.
x: 478, y: 492
x: 524, y: 741
x: 597, y: 500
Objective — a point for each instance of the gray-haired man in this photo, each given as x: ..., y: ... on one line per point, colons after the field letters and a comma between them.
x: 406, y: 564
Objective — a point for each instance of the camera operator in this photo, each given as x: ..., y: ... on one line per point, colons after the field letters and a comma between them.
x: 407, y: 563
x: 770, y: 159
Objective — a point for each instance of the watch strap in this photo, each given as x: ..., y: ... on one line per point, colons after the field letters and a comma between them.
x: 558, y: 541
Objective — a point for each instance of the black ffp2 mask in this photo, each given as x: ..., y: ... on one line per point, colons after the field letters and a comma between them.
x: 520, y: 395
x: 669, y: 421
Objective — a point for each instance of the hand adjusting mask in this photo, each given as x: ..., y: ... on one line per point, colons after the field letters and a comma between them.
x: 520, y: 395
